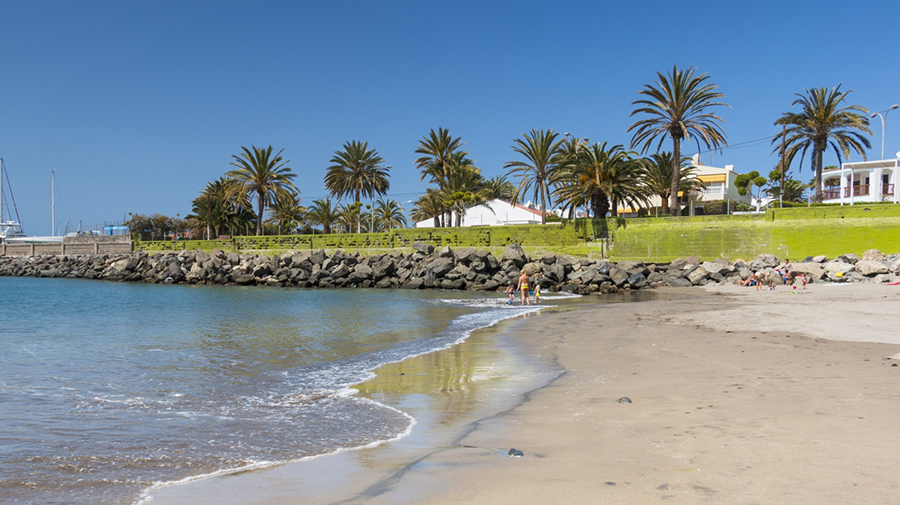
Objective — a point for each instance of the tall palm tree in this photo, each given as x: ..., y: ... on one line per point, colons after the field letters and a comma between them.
x: 390, y: 214
x: 442, y: 156
x: 659, y: 177
x: 323, y: 213
x: 540, y: 150
x: 676, y: 107
x: 286, y: 212
x: 437, y: 150
x: 262, y: 176
x: 357, y: 171
x: 823, y: 122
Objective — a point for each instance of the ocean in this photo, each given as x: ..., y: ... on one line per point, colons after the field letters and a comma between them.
x: 109, y: 390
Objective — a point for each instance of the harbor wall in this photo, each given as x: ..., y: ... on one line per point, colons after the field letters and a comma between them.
x: 72, y: 246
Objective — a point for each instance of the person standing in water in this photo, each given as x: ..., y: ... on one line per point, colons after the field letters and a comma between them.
x: 523, y: 285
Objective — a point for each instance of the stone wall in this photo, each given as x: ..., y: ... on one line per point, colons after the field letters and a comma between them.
x: 72, y: 246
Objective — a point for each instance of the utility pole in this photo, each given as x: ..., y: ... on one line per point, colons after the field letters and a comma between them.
x: 781, y: 196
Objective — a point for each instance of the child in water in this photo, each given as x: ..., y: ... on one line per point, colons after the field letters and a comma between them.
x: 537, y: 294
x: 511, y: 293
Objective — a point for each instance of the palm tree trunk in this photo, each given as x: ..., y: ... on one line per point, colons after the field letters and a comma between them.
x: 259, y: 217
x: 664, y: 198
x: 676, y: 174
x: 543, y: 204
x: 817, y: 162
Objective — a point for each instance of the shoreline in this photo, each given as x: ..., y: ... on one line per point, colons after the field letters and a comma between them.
x: 762, y: 414
x: 381, y: 388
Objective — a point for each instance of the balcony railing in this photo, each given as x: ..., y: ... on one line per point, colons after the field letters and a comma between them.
x: 860, y: 190
x: 831, y: 193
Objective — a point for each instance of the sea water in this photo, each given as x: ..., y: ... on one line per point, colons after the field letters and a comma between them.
x: 108, y: 390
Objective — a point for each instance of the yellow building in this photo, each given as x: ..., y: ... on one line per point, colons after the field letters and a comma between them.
x: 719, y: 184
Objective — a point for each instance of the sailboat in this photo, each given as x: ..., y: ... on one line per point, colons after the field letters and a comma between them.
x: 20, y: 238
x: 8, y: 229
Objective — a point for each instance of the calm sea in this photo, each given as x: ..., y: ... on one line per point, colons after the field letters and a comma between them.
x: 109, y: 389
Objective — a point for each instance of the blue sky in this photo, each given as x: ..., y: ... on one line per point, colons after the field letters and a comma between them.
x: 137, y: 105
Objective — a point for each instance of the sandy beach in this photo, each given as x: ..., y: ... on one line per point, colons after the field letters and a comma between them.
x: 738, y: 396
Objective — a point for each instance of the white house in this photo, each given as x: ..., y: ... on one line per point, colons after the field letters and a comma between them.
x: 495, y: 213
x: 862, y: 181
x: 719, y: 186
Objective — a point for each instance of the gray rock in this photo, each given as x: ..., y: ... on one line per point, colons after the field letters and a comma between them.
x: 848, y: 258
x: 244, y: 279
x: 768, y: 260
x: 515, y: 453
x: 548, y: 258
x: 716, y: 268
x: 698, y: 275
x: 833, y: 267
x: 812, y: 269
x: 440, y: 266
x: 872, y: 255
x: 618, y: 276
x: 514, y: 253
x: 637, y: 281
x: 425, y: 249
x: 414, y: 283
x: 869, y: 267
x: 531, y: 268
x: 624, y: 399
x: 820, y: 259
x: 318, y: 257
x: 677, y: 264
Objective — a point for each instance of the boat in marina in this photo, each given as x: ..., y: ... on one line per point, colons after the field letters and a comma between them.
x: 9, y: 229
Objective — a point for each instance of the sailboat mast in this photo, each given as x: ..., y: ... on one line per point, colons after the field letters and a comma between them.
x: 52, y: 204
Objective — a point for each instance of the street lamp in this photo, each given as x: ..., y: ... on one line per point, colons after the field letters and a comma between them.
x: 892, y: 107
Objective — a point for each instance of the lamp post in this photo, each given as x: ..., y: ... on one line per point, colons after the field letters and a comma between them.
x: 892, y: 107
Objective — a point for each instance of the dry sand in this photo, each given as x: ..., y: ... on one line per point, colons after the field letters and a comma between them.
x: 739, y: 397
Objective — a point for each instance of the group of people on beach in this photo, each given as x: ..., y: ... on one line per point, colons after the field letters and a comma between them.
x: 761, y: 279
x: 523, y: 287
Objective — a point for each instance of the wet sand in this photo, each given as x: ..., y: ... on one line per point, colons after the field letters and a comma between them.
x: 738, y: 396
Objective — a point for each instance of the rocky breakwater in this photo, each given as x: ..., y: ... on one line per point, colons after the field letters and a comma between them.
x: 425, y: 268
x: 428, y: 268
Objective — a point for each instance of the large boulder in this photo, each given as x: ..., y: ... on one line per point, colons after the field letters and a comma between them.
x: 848, y: 258
x: 716, y: 267
x: 637, y: 281
x: 532, y: 268
x: 618, y: 276
x: 514, y: 253
x: 675, y: 280
x: 440, y: 266
x: 833, y: 267
x: 768, y: 260
x: 872, y: 255
x: 868, y: 268
x: 697, y: 275
x: 812, y: 269
x: 425, y: 249
x: 548, y: 257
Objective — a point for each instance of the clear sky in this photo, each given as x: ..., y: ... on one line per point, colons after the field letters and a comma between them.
x: 137, y: 105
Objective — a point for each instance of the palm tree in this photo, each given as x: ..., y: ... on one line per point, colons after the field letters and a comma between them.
x: 262, y: 176
x: 286, y: 212
x: 441, y: 157
x: 357, y: 171
x: 659, y: 177
x: 429, y: 206
x: 499, y: 188
x: 390, y: 214
x: 323, y: 213
x: 821, y: 123
x: 601, y: 177
x: 540, y: 148
x: 677, y: 108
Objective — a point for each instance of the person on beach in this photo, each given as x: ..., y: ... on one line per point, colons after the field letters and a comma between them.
x: 760, y: 277
x: 537, y: 294
x: 510, y: 292
x: 523, y: 285
x: 787, y: 270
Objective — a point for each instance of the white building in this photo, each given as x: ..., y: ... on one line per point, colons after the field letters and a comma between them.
x: 719, y: 186
x: 495, y: 213
x: 862, y: 181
